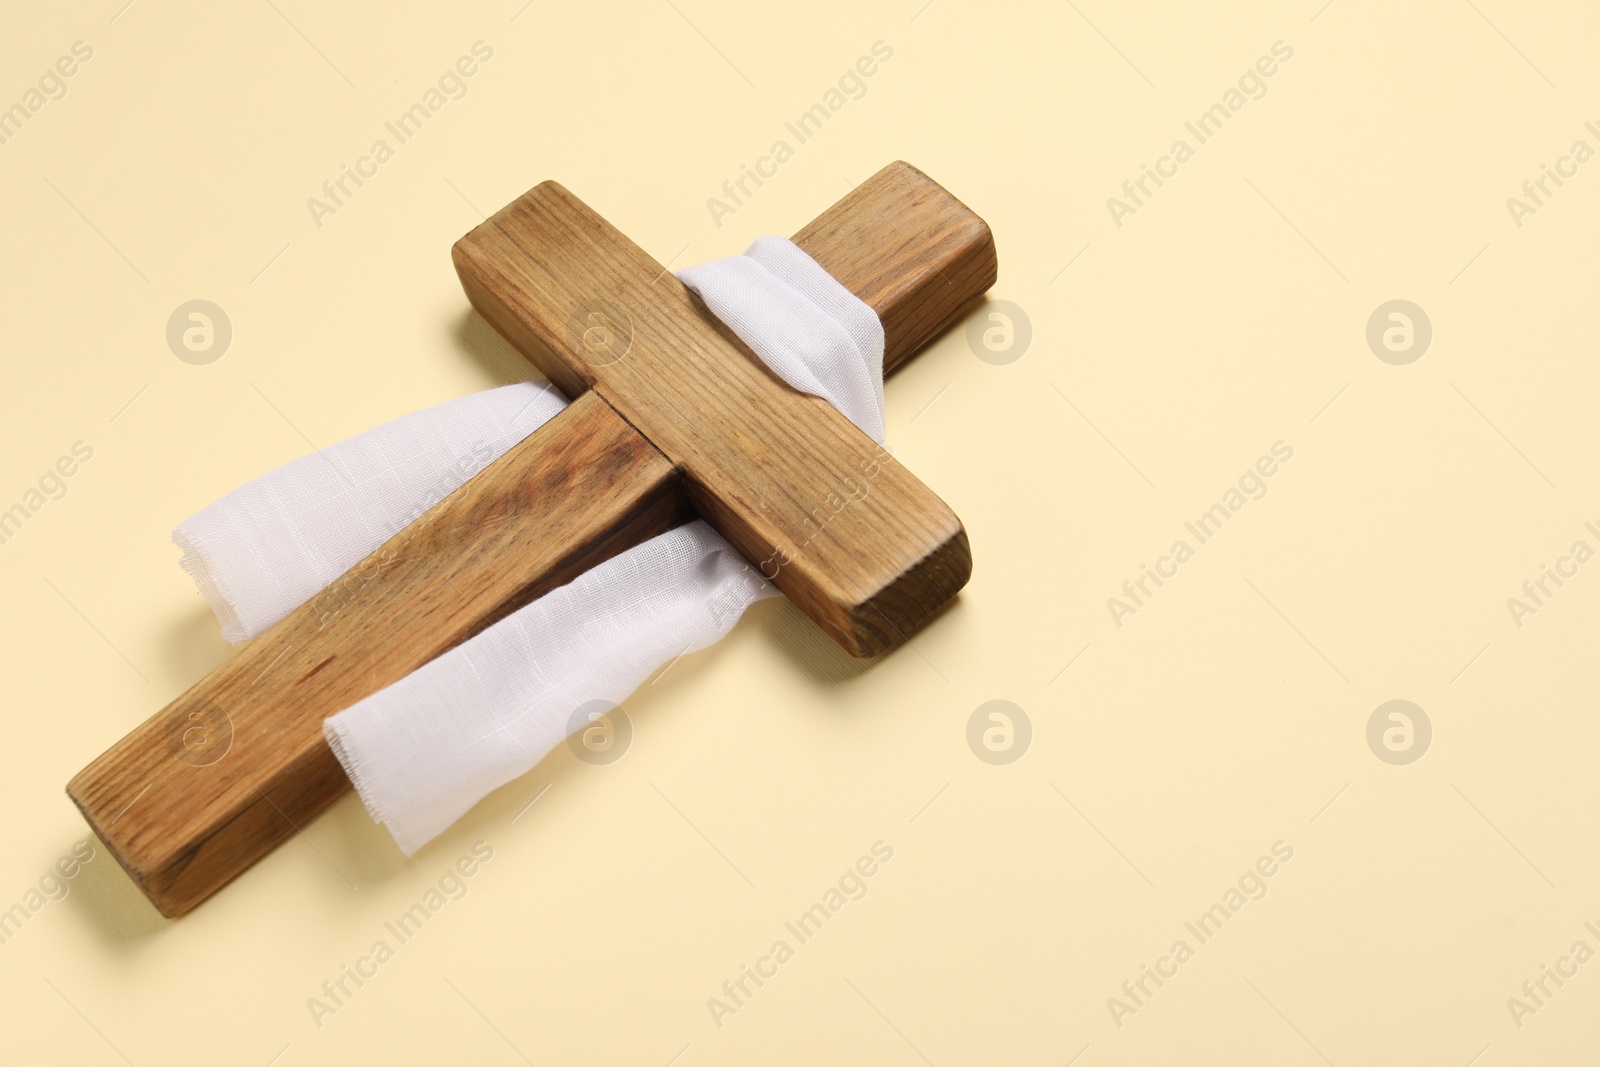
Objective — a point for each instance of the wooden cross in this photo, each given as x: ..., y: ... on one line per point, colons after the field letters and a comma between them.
x: 672, y: 417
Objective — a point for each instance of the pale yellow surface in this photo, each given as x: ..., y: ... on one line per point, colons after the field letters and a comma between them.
x: 1227, y: 714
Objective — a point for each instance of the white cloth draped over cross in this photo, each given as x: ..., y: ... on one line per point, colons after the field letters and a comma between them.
x: 424, y: 750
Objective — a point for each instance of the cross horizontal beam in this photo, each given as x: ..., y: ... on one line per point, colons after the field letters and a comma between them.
x: 848, y: 534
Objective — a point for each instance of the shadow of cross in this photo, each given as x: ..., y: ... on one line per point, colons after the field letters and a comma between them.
x: 672, y: 418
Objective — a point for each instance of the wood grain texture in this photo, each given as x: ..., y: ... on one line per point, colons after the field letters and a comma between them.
x: 201, y: 791
x: 917, y: 255
x: 235, y: 765
x: 857, y: 542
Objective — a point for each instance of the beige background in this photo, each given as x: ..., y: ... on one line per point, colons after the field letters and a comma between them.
x: 1167, y: 755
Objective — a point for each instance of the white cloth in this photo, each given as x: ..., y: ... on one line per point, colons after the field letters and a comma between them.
x: 813, y: 332
x: 423, y: 751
